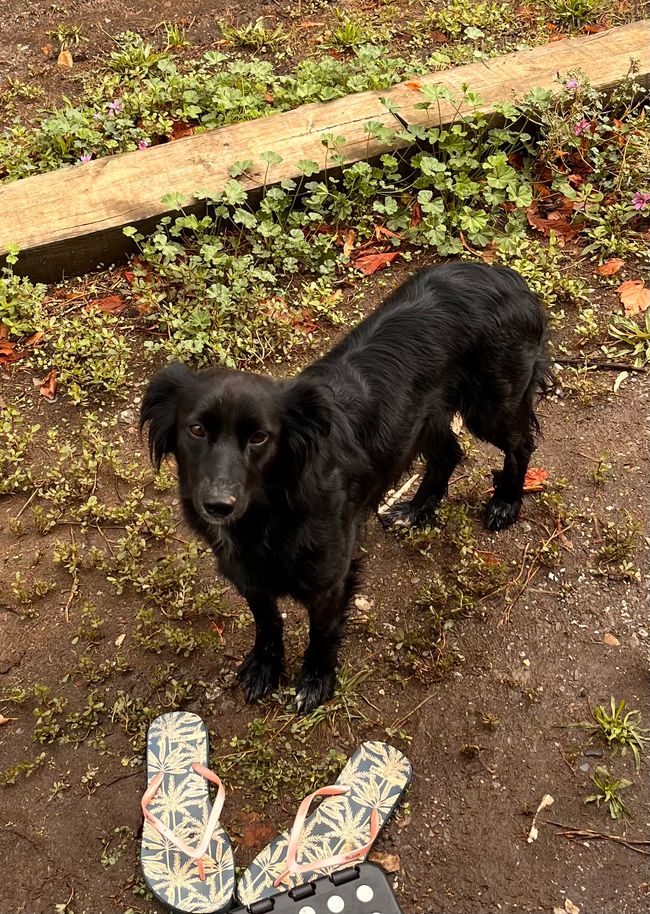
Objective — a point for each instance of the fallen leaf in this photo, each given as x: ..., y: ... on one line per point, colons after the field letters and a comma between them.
x: 35, y: 338
x: 348, y: 246
x: 555, y: 222
x: 6, y: 720
x: 64, y: 60
x: 4, y: 331
x: 535, y: 480
x: 623, y: 376
x: 570, y: 907
x: 610, y: 639
x: 414, y: 84
x: 49, y: 385
x: 120, y: 639
x: 416, y: 215
x: 382, y: 232
x: 390, y: 863
x: 634, y: 296
x: 9, y: 353
x: 180, y: 130
x: 362, y: 603
x: 111, y: 304
x: 610, y: 267
x: 370, y: 263
x: 253, y: 831
x: 46, y: 50
x: 533, y: 834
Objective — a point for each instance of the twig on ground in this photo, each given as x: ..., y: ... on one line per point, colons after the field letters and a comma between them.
x: 587, y: 834
x: 599, y: 366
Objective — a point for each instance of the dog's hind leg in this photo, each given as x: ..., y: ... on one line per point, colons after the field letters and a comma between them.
x: 326, y: 624
x: 260, y: 671
x: 443, y: 453
x: 516, y: 437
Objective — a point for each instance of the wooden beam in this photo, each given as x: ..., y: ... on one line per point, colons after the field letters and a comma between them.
x: 69, y: 221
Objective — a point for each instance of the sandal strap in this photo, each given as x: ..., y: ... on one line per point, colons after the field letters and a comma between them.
x: 358, y: 854
x: 196, y: 853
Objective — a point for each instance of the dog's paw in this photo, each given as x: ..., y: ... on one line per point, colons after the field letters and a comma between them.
x: 398, y: 515
x: 500, y: 514
x: 258, y: 676
x: 313, y: 690
x: 403, y: 514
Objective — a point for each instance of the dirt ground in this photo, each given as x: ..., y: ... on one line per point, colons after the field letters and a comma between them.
x: 488, y: 713
x: 532, y: 670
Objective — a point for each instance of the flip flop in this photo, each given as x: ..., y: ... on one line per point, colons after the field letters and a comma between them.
x: 186, y: 856
x: 340, y: 832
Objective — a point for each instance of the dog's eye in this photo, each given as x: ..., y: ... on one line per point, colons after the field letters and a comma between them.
x: 197, y: 430
x: 258, y: 438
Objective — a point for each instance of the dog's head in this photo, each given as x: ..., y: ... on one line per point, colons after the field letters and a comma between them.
x: 228, y: 431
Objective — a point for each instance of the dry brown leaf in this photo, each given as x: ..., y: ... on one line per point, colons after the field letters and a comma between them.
x: 414, y: 84
x: 610, y: 267
x: 9, y: 353
x: 49, y: 385
x: 370, y: 263
x: 535, y: 480
x: 348, y: 245
x: 64, y: 60
x: 111, y: 304
x: 555, y: 222
x: 390, y: 863
x: 180, y: 130
x: 634, y: 296
x: 253, y: 831
x: 382, y: 232
x: 610, y: 639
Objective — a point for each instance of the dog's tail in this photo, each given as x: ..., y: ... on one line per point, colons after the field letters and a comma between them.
x: 542, y: 382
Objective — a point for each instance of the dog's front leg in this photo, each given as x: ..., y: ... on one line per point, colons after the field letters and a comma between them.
x: 326, y: 621
x: 260, y: 671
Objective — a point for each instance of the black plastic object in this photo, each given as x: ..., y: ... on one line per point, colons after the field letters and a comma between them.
x: 362, y: 889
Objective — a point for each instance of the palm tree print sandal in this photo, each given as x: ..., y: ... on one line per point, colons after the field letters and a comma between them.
x: 340, y: 832
x: 186, y: 856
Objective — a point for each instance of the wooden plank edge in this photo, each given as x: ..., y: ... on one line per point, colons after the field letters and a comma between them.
x: 83, y: 251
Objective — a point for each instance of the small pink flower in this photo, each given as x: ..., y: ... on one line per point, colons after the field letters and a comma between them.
x: 581, y: 126
x: 640, y: 200
x: 571, y: 84
x: 114, y: 107
x: 86, y: 157
x: 143, y: 144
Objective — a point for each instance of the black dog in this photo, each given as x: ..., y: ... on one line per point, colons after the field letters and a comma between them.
x: 278, y: 476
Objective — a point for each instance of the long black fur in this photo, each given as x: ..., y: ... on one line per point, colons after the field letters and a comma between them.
x: 283, y: 514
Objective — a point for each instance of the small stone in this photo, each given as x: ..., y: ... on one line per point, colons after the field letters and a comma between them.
x: 610, y: 639
x: 594, y: 753
x: 127, y: 416
x: 642, y: 633
x: 634, y: 640
x: 525, y: 526
x: 584, y: 767
x: 227, y: 705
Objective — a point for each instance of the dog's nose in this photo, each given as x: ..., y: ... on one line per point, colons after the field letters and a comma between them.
x: 221, y: 506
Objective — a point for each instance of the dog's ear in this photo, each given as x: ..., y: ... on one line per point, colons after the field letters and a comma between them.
x: 306, y: 415
x: 158, y: 409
